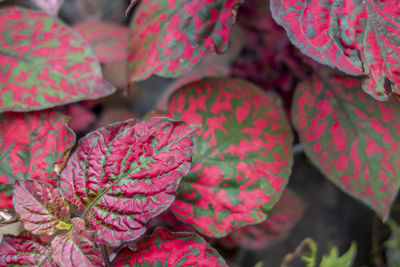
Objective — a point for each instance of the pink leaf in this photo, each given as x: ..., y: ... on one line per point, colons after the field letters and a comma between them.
x: 165, y: 248
x: 123, y: 175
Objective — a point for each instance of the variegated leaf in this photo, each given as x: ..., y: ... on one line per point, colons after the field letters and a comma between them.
x: 123, y: 175
x: 43, y: 63
x: 355, y: 36
x: 165, y: 248
x: 352, y: 138
x: 75, y: 248
x: 169, y: 38
x: 24, y: 250
x: 30, y: 146
x: 242, y: 157
x: 40, y: 207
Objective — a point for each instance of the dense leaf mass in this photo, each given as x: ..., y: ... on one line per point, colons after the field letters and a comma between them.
x: 352, y: 138
x: 242, y: 156
x: 169, y: 37
x: 165, y: 248
x: 355, y: 36
x: 123, y: 175
x: 43, y: 63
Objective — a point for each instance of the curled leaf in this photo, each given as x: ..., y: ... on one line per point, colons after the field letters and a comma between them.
x: 169, y: 39
x: 355, y: 36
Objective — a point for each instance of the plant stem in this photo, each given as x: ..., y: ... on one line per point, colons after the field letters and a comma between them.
x: 104, y: 254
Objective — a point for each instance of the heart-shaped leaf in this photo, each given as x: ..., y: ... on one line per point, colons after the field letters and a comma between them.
x: 108, y: 40
x: 30, y: 146
x: 169, y: 38
x: 24, y: 250
x: 242, y: 158
x: 75, y: 248
x: 43, y: 63
x: 353, y: 139
x: 165, y: 248
x: 127, y: 173
x: 282, y: 218
x: 355, y: 36
x: 40, y: 207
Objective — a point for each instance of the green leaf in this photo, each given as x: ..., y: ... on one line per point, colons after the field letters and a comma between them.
x: 334, y: 260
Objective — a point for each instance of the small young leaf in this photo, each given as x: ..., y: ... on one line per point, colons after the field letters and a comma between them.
x: 41, y: 208
x: 75, y: 248
x: 30, y: 145
x: 123, y: 175
x: 333, y: 259
x: 108, y: 40
x: 242, y: 158
x: 355, y: 36
x: 353, y: 139
x: 24, y: 250
x: 170, y: 38
x: 43, y: 63
x: 165, y: 248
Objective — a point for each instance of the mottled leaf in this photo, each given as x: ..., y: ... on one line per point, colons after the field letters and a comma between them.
x: 108, y: 40
x: 355, y: 36
x: 281, y: 219
x: 353, y: 139
x: 24, y: 250
x: 168, y: 38
x: 43, y: 63
x: 51, y: 7
x: 30, y: 145
x: 75, y: 248
x: 212, y: 65
x: 165, y: 248
x: 334, y: 260
x: 123, y: 175
x: 40, y: 207
x: 242, y: 157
